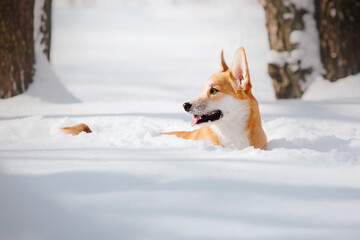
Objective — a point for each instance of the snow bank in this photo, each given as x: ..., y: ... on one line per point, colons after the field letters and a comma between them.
x: 46, y: 86
x: 322, y: 89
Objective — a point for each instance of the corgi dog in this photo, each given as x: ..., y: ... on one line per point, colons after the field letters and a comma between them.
x: 226, y: 109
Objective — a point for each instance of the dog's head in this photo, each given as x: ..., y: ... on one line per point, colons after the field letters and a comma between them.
x: 224, y: 94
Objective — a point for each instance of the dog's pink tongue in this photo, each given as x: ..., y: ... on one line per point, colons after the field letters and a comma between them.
x: 195, y: 120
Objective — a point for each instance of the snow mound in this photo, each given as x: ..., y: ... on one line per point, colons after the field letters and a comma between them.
x: 322, y: 89
x: 46, y: 85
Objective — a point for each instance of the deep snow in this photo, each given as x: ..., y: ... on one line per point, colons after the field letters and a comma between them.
x: 133, y: 65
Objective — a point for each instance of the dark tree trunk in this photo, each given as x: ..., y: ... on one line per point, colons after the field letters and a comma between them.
x: 16, y: 46
x: 45, y: 28
x: 338, y: 22
x: 281, y: 20
x: 17, y: 40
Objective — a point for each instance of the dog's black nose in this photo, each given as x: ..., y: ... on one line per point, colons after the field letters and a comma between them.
x: 187, y: 106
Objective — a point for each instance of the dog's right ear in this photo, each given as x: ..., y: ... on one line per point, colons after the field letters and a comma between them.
x: 223, y: 66
x: 240, y: 70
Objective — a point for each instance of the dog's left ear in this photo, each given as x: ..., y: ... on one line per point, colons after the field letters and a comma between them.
x: 240, y: 70
x: 223, y: 66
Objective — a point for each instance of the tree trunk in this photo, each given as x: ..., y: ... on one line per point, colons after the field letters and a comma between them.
x: 16, y: 46
x: 45, y: 28
x: 281, y: 20
x: 17, y: 40
x: 338, y: 23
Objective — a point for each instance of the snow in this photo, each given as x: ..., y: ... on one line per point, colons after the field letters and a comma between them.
x: 158, y: 49
x: 124, y: 181
x: 322, y: 89
x: 303, y: 4
x: 308, y: 49
x: 46, y: 86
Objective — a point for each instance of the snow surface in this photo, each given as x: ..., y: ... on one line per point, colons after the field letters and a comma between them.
x: 163, y: 49
x: 322, y: 89
x: 124, y: 181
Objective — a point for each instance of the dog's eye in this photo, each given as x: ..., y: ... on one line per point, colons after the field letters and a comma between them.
x: 213, y: 91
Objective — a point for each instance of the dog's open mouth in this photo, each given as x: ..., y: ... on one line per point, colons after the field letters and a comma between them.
x: 212, y: 116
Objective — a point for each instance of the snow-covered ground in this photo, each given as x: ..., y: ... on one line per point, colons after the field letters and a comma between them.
x: 133, y: 65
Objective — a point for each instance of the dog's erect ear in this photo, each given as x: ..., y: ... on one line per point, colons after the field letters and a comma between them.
x: 240, y: 71
x: 223, y: 66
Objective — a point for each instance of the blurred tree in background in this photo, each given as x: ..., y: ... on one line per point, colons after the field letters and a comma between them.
x: 291, y: 26
x: 17, y: 43
x: 45, y: 28
x: 16, y: 46
x: 339, y: 30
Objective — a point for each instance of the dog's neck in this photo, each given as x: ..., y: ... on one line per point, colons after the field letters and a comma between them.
x: 230, y: 130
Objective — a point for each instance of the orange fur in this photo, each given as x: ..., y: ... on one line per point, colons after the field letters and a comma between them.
x: 225, y: 82
x: 203, y: 133
x: 75, y: 130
